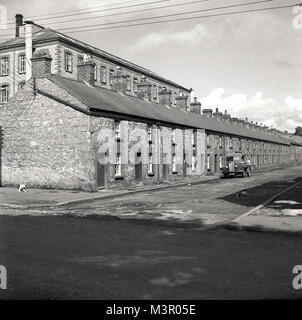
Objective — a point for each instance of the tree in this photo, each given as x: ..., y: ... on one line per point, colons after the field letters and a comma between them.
x: 298, y: 131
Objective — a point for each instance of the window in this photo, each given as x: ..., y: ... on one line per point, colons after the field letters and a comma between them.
x: 68, y: 62
x: 117, y: 129
x: 104, y: 74
x: 240, y: 144
x: 174, y: 164
x: 231, y: 143
x: 208, y: 163
x: 95, y: 73
x: 135, y: 85
x: 150, y: 164
x: 128, y: 83
x: 220, y: 142
x: 21, y: 85
x: 22, y: 63
x: 80, y: 59
x: 193, y: 162
x: 173, y: 136
x: 4, y: 93
x: 111, y: 75
x: 220, y: 161
x: 154, y: 89
x: 208, y: 140
x: 4, y: 66
x: 118, y: 166
x: 194, y: 137
x: 150, y: 133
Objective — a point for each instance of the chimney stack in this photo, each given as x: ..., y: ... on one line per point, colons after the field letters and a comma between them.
x: 28, y: 48
x: 246, y: 123
x: 208, y: 112
x: 234, y: 121
x: 241, y: 123
x: 165, y: 97
x: 195, y: 106
x: 217, y: 115
x: 19, y: 22
x: 119, y: 82
x: 86, y: 72
x: 41, y: 64
x: 226, y: 117
x: 144, y: 90
x: 182, y: 102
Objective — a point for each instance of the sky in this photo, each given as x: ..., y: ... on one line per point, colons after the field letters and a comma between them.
x: 249, y: 64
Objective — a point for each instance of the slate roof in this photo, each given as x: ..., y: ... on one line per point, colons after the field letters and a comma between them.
x: 101, y: 99
x: 47, y: 34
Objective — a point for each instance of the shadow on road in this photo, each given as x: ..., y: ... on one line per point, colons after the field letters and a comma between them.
x: 252, y: 197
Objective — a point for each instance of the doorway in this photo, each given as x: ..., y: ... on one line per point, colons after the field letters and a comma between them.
x: 138, y: 168
x: 100, y: 175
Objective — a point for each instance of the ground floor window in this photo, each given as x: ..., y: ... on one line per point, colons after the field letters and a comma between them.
x: 4, y: 93
x: 220, y: 162
x: 208, y: 163
x: 174, y: 164
x: 118, y: 166
x: 150, y: 164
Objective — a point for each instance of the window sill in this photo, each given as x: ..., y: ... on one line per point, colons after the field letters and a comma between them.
x: 119, y: 178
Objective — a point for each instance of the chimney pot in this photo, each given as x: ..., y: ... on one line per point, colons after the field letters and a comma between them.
x: 19, y: 22
x: 208, y: 112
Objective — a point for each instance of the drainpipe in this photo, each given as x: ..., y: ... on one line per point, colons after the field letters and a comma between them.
x: 28, y: 48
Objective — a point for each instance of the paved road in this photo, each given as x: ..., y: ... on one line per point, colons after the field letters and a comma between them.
x: 105, y: 257
x: 205, y: 204
x: 72, y: 258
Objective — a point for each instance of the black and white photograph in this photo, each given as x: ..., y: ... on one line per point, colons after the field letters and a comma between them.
x: 150, y: 153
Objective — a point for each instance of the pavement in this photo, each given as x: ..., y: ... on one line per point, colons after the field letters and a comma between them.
x: 10, y: 198
x: 273, y: 202
x: 280, y: 213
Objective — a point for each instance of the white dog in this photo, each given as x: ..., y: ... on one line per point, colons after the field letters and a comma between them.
x: 22, y: 188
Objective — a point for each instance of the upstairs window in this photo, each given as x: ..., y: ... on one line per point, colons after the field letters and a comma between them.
x: 154, y: 89
x: 68, y: 62
x: 22, y: 63
x: 4, y: 93
x: 95, y: 73
x: 150, y: 133
x: 104, y: 74
x: 117, y: 129
x: 220, y: 142
x: 135, y: 85
x: 111, y: 75
x: 128, y: 82
x: 173, y: 136
x: 194, y: 137
x: 80, y: 59
x: 4, y: 66
x: 208, y: 140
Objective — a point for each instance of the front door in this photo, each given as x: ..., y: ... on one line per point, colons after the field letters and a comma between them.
x: 184, y: 166
x: 138, y: 168
x: 100, y: 175
x: 216, y: 163
x: 165, y: 171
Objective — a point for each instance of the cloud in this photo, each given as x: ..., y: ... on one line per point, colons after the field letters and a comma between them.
x: 191, y: 37
x: 284, y: 64
x: 286, y: 115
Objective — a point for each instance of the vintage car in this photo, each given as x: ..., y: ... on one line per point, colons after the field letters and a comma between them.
x: 236, y: 165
